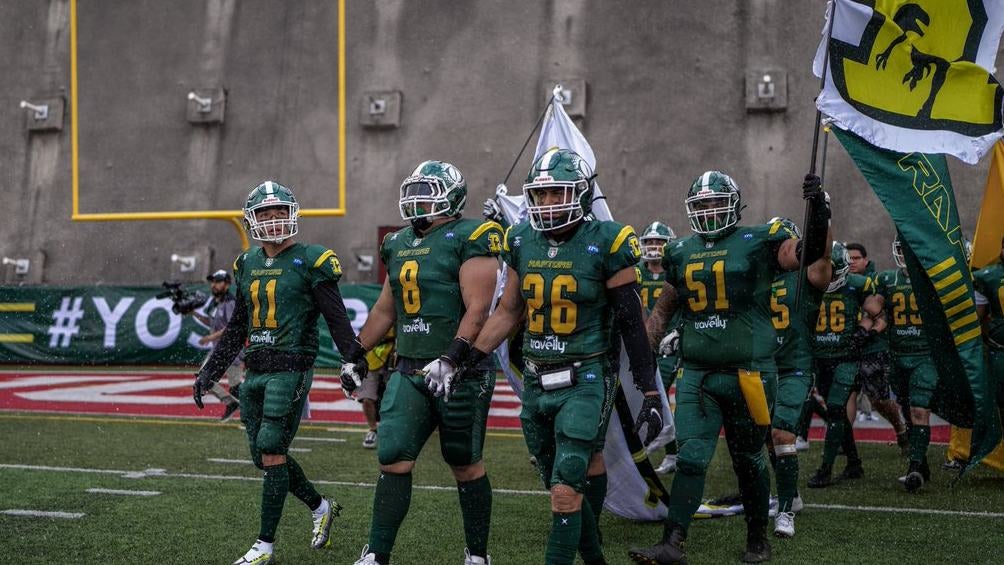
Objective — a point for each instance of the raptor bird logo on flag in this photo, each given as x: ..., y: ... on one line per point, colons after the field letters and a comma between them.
x: 899, y: 69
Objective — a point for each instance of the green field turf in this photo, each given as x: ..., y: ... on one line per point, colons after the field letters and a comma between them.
x: 208, y: 512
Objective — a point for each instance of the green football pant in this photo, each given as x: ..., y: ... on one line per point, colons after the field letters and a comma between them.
x: 271, y: 405
x: 792, y: 390
x: 706, y: 401
x: 667, y: 371
x: 563, y: 427
x: 835, y: 381
x: 409, y: 414
x: 920, y: 377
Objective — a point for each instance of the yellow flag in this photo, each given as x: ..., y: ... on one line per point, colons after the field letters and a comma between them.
x: 958, y: 448
x: 990, y: 226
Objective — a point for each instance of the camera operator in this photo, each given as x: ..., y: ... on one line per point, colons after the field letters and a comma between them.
x: 224, y: 303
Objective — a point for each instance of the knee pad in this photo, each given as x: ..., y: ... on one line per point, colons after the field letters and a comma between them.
x: 270, y: 438
x: 694, y: 457
x: 571, y: 470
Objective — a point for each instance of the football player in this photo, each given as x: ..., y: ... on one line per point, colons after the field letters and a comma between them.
x: 282, y: 288
x: 989, y: 285
x: 651, y: 275
x: 721, y: 278
x: 794, y: 323
x: 570, y: 277
x: 840, y: 337
x: 914, y: 373
x: 440, y: 283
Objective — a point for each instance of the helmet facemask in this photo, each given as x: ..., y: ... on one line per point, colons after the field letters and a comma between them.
x: 897, y: 254
x: 549, y: 217
x: 653, y: 247
x: 711, y: 213
x: 426, y: 197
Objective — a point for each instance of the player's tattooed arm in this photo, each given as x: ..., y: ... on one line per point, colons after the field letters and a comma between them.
x: 381, y: 317
x: 662, y: 312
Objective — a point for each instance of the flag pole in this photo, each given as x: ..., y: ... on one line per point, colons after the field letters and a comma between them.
x: 555, y: 93
x: 815, y: 146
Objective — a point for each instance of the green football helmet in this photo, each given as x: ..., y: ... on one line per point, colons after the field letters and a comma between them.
x: 654, y: 239
x: 271, y: 194
x: 897, y: 253
x: 841, y: 262
x: 713, y: 204
x: 435, y: 188
x: 558, y: 169
x: 788, y: 225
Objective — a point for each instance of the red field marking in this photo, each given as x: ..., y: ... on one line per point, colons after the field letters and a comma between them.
x: 170, y: 394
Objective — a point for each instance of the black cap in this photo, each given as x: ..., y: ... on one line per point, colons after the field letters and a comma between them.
x: 219, y: 276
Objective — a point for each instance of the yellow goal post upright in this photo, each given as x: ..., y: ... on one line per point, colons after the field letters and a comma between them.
x: 232, y: 216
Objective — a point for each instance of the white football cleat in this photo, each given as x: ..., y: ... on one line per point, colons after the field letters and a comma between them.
x: 323, y: 518
x: 801, y: 444
x: 366, y: 558
x: 475, y: 560
x: 668, y: 465
x: 784, y: 525
x: 259, y: 554
x: 369, y: 441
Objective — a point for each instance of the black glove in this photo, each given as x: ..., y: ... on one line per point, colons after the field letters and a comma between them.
x: 354, y: 369
x: 201, y: 387
x: 861, y: 336
x: 812, y: 187
x: 651, y: 414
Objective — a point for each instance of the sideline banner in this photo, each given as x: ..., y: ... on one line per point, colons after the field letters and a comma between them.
x: 125, y: 325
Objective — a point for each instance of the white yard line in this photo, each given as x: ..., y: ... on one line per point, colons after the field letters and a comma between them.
x: 123, y: 492
x: 328, y: 439
x: 233, y: 461
x: 299, y: 450
x: 158, y: 473
x: 43, y: 514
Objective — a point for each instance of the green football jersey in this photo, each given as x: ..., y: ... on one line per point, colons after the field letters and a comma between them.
x: 564, y: 286
x: 794, y: 323
x: 989, y: 281
x: 651, y: 285
x: 724, y: 290
x: 424, y: 276
x: 838, y: 317
x: 906, y: 329
x: 278, y: 293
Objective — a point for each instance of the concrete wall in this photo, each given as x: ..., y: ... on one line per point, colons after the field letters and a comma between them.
x: 665, y: 102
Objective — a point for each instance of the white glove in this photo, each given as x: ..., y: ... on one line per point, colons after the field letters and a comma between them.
x: 352, y: 377
x: 439, y: 377
x: 492, y: 211
x: 670, y: 344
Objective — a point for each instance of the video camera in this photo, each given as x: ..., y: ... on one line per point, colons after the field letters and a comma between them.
x: 184, y: 301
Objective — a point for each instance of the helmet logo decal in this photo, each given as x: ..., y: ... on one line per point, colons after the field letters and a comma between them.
x: 552, y: 252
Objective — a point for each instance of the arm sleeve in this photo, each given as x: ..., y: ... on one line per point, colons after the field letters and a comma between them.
x: 626, y: 304
x: 230, y: 344
x: 329, y: 302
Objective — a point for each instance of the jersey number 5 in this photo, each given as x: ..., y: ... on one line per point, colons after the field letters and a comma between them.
x: 780, y: 316
x: 256, y: 302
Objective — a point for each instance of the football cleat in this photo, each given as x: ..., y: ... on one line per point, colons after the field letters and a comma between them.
x: 366, y: 558
x: 668, y: 464
x: 801, y: 444
x: 953, y: 465
x: 259, y: 554
x: 917, y: 475
x: 370, y: 440
x: 821, y: 479
x: 757, y: 547
x: 784, y: 525
x: 853, y: 470
x: 323, y: 518
x: 797, y: 504
x: 229, y: 412
x: 475, y: 560
x: 669, y: 551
